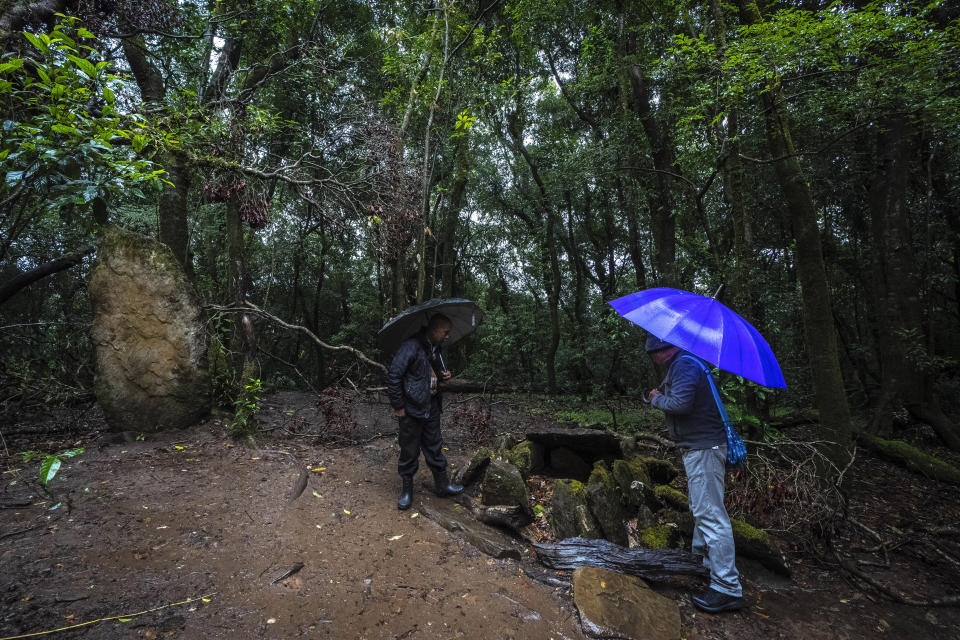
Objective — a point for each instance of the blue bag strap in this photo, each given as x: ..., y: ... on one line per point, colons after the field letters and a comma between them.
x: 724, y: 416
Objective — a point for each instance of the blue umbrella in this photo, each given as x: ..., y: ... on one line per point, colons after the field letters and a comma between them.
x: 706, y: 328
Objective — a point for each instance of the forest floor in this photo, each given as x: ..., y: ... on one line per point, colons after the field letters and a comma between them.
x: 198, y: 530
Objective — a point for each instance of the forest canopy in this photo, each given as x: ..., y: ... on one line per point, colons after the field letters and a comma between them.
x: 334, y: 162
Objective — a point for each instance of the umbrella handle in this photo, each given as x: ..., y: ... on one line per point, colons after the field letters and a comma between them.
x: 716, y: 296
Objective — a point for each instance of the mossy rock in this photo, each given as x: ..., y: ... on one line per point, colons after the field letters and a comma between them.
x: 759, y: 545
x: 633, y: 482
x: 912, y: 458
x: 682, y: 519
x: 527, y: 457
x: 506, y: 441
x: 645, y: 517
x: 503, y: 484
x: 661, y: 471
x: 672, y: 498
x: 570, y: 516
x: 478, y: 463
x: 604, y: 501
x: 659, y: 536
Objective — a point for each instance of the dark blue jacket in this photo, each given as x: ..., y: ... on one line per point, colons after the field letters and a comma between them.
x: 408, y: 379
x: 693, y: 420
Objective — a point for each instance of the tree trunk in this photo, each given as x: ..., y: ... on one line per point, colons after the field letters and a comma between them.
x: 899, y: 317
x: 174, y: 227
x: 458, y: 196
x: 662, y: 216
x: 819, y: 330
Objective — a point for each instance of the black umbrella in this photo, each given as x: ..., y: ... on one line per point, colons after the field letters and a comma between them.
x: 464, y: 316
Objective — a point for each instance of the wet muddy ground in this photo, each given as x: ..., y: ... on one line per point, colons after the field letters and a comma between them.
x: 198, y: 530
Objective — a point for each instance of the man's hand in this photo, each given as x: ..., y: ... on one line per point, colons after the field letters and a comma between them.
x: 399, y: 412
x: 445, y: 375
x: 653, y: 394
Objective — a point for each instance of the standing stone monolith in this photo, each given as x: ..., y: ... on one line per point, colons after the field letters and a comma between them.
x: 148, y: 335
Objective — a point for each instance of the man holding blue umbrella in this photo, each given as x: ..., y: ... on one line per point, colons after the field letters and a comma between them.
x: 694, y: 423
x: 687, y: 329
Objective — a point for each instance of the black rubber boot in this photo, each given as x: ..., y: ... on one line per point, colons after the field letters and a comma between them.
x: 442, y: 485
x: 406, y: 493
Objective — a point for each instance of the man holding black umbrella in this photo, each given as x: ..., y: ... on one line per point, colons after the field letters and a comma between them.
x: 412, y: 385
x: 695, y: 424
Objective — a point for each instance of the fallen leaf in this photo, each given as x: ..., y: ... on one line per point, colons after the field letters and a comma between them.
x: 316, y: 495
x: 205, y: 599
x: 346, y: 512
x: 603, y: 585
x: 124, y: 619
x: 318, y: 469
x: 176, y: 446
x: 271, y: 621
x: 415, y: 515
x: 254, y: 458
x: 396, y: 537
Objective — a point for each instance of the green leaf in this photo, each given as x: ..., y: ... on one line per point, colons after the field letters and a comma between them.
x: 62, y: 128
x: 71, y: 453
x: 48, y: 469
x: 108, y: 95
x: 13, y: 65
x: 83, y: 33
x: 85, y: 65
x: 37, y: 42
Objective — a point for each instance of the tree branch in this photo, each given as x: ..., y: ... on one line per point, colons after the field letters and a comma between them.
x: 249, y: 306
x: 15, y: 284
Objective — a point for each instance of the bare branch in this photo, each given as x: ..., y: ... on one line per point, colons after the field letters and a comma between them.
x: 249, y: 306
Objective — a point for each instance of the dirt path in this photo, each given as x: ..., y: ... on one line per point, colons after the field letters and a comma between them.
x: 179, y: 516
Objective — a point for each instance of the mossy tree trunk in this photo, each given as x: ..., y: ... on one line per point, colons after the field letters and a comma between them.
x: 819, y: 330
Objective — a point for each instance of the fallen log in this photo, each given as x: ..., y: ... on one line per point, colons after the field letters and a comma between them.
x: 649, y: 564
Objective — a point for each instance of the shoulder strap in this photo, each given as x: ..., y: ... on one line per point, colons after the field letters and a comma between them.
x: 713, y: 387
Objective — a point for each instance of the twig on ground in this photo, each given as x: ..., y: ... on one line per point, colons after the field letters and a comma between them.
x: 895, y: 594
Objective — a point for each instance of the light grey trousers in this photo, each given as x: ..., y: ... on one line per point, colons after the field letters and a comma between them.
x: 712, y: 534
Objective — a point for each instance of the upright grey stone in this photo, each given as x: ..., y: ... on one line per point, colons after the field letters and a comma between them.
x: 148, y: 335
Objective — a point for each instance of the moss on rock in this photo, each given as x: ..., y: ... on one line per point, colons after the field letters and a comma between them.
x: 661, y: 471
x: 570, y: 515
x: 658, y: 536
x: 759, y: 545
x: 672, y: 498
x: 527, y: 457
x: 604, y: 501
x: 503, y: 484
x: 633, y: 482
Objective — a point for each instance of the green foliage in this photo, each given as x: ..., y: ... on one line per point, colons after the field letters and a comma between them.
x: 50, y: 462
x: 246, y: 405
x: 65, y: 147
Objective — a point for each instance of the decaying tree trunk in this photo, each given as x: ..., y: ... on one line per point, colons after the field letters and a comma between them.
x: 649, y: 564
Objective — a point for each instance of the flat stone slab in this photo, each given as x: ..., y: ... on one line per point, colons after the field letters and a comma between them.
x: 614, y: 605
x: 584, y: 441
x: 460, y: 522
